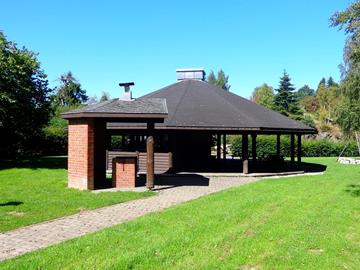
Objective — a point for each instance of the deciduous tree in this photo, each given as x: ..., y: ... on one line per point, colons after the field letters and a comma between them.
x: 263, y: 95
x: 310, y: 104
x: 24, y: 98
x: 348, y: 110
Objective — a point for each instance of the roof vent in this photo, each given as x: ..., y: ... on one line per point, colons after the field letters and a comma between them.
x: 190, y: 74
x: 127, y: 92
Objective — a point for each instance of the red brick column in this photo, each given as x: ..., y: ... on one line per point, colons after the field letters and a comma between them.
x: 124, y: 172
x: 81, y: 134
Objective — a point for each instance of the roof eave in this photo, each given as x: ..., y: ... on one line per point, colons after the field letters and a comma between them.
x: 231, y: 129
x: 70, y: 115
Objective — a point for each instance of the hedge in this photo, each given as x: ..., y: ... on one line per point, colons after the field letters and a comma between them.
x: 266, y: 144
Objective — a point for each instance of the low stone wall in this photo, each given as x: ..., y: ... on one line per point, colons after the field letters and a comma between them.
x: 348, y: 160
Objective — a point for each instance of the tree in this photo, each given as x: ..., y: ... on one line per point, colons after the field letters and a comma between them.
x: 263, y: 95
x: 322, y: 81
x: 304, y: 92
x: 326, y: 97
x: 348, y: 116
x: 348, y: 110
x: 310, y: 104
x: 221, y: 80
x: 285, y: 101
x: 105, y: 96
x: 330, y: 82
x: 70, y: 93
x: 212, y: 78
x: 24, y: 98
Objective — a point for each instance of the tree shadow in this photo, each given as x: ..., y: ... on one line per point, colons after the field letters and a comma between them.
x: 11, y: 203
x: 53, y: 162
x: 353, y: 190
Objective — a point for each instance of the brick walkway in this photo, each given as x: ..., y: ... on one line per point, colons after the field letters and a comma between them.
x: 171, y: 192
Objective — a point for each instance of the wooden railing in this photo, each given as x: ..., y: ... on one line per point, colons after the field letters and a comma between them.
x: 163, y: 161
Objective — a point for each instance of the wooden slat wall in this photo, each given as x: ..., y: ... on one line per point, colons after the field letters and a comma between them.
x: 162, y: 161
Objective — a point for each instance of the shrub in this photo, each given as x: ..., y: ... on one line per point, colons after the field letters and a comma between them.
x: 266, y: 145
x: 325, y: 128
x: 308, y: 121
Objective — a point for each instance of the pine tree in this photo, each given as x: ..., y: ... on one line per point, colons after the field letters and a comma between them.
x: 322, y: 81
x: 70, y: 93
x: 211, y: 78
x: 221, y: 80
x: 285, y: 100
x: 330, y: 82
x: 105, y: 96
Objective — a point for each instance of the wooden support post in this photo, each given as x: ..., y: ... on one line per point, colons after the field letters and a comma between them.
x: 170, y: 160
x: 253, y: 147
x: 278, y: 145
x: 245, y: 154
x: 224, y: 146
x: 218, y: 146
x: 108, y: 141
x: 292, y: 148
x: 150, y: 157
x: 137, y: 142
x: 123, y: 141
x: 299, y: 148
x: 132, y: 142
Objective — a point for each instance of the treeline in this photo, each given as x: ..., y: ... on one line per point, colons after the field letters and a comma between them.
x: 315, y: 107
x: 30, y: 121
x: 331, y: 105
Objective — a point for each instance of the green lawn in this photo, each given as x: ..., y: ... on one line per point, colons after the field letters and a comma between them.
x: 306, y: 222
x: 35, y: 190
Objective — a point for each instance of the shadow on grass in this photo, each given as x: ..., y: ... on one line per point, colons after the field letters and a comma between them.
x: 165, y: 182
x: 12, y: 203
x: 58, y: 162
x: 353, y: 190
x: 312, y: 167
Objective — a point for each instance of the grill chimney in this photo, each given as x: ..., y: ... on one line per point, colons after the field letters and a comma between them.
x: 190, y: 74
x: 127, y: 92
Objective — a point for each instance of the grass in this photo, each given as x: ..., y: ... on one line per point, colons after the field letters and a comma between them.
x: 35, y: 190
x: 306, y: 222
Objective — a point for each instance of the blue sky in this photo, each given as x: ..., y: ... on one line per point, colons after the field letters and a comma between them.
x: 107, y: 42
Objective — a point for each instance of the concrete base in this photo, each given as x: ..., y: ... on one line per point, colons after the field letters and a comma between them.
x: 231, y: 174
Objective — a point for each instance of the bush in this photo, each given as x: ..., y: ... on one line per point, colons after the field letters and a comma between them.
x: 55, y: 139
x: 325, y: 128
x: 266, y: 145
x: 308, y: 121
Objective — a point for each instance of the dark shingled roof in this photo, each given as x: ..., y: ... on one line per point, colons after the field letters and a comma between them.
x: 123, y: 108
x: 198, y: 104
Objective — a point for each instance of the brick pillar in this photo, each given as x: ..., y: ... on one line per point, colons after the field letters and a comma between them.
x: 81, y: 153
x: 124, y: 172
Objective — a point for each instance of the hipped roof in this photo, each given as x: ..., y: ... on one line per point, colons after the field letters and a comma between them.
x: 195, y: 104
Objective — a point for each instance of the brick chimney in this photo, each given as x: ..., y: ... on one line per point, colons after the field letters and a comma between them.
x: 190, y: 74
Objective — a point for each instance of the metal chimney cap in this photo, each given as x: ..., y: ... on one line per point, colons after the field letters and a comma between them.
x: 127, y: 84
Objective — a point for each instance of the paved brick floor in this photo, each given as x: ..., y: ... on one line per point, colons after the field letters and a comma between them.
x: 172, y: 191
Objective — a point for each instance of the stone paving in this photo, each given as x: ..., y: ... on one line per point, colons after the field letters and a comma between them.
x: 171, y: 192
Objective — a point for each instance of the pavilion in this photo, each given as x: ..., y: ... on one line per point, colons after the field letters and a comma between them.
x: 170, y: 129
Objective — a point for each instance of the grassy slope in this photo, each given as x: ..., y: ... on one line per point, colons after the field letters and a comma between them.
x: 309, y: 222
x: 35, y: 190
